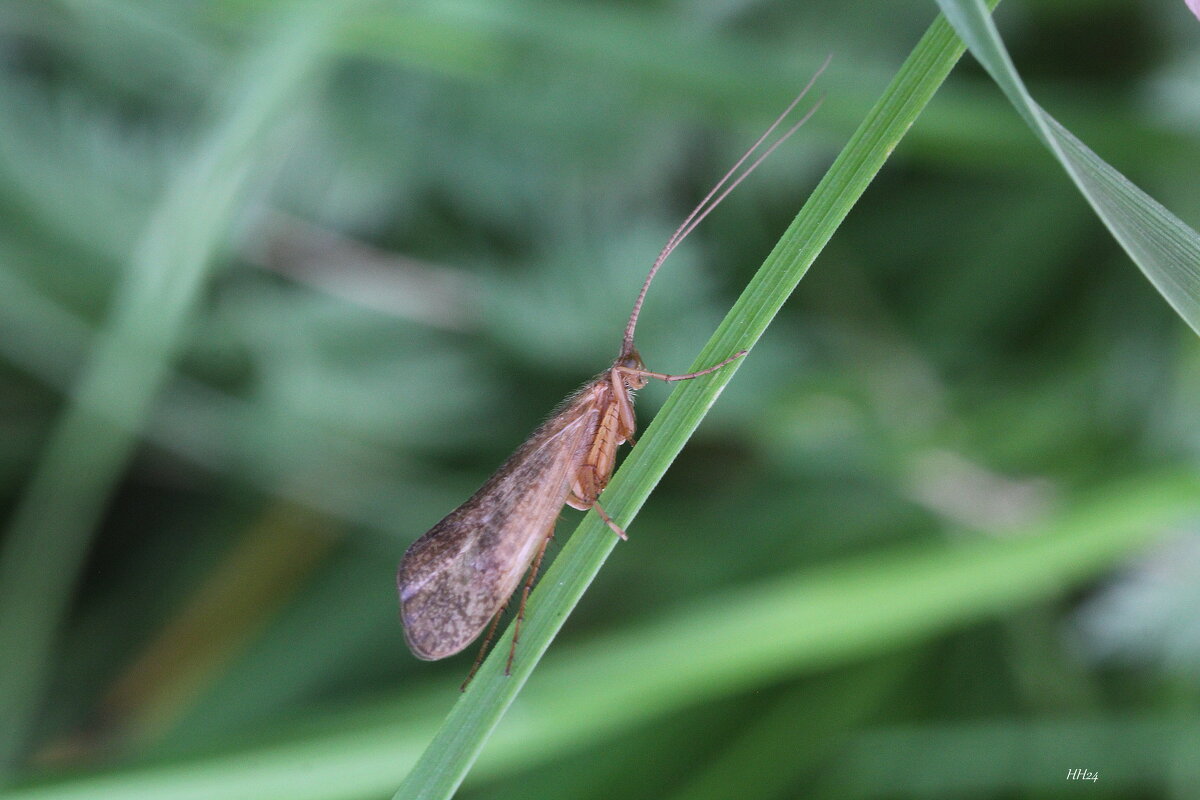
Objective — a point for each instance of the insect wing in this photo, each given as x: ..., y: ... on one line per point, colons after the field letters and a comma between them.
x: 458, y: 575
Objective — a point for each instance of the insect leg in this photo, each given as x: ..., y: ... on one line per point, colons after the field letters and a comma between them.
x: 627, y: 423
x: 664, y: 377
x: 487, y: 640
x: 604, y: 516
x: 578, y: 490
x: 533, y: 571
x: 596, y: 465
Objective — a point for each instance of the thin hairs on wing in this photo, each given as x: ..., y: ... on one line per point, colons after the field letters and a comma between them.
x: 455, y: 577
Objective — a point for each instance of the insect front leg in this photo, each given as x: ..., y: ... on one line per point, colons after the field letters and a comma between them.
x: 627, y: 422
x: 664, y: 377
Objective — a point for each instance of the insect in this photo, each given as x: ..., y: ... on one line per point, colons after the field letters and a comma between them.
x: 464, y: 570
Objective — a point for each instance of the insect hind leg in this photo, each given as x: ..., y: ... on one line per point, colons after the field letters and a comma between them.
x: 487, y: 640
x: 533, y: 571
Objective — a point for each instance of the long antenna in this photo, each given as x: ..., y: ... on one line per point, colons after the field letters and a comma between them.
x: 719, y: 193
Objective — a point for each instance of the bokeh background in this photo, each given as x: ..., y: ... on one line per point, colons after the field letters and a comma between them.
x: 281, y: 284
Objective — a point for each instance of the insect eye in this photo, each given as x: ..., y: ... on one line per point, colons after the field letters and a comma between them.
x: 632, y: 362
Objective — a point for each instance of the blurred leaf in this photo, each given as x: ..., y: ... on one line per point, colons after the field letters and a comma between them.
x: 50, y: 530
x: 793, y: 623
x: 1150, y: 615
x: 1162, y: 246
x: 1126, y: 756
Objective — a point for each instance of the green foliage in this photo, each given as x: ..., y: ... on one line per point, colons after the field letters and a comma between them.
x: 918, y: 548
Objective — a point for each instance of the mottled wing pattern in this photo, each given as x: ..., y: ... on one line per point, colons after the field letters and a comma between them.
x: 455, y: 577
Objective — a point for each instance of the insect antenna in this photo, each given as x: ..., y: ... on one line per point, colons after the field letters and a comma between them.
x: 718, y: 193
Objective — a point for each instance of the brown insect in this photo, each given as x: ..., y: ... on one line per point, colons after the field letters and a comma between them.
x: 463, y: 571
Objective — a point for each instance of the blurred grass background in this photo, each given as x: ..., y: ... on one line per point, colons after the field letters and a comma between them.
x: 408, y: 231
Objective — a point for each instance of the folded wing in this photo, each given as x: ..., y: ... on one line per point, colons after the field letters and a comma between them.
x: 455, y: 578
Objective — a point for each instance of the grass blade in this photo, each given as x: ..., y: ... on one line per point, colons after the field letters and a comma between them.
x: 806, y: 620
x: 457, y: 744
x: 1165, y: 249
x: 48, y: 536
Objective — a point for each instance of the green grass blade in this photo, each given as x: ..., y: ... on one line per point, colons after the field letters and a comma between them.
x: 48, y: 535
x: 1164, y: 248
x: 457, y: 744
x: 800, y: 621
